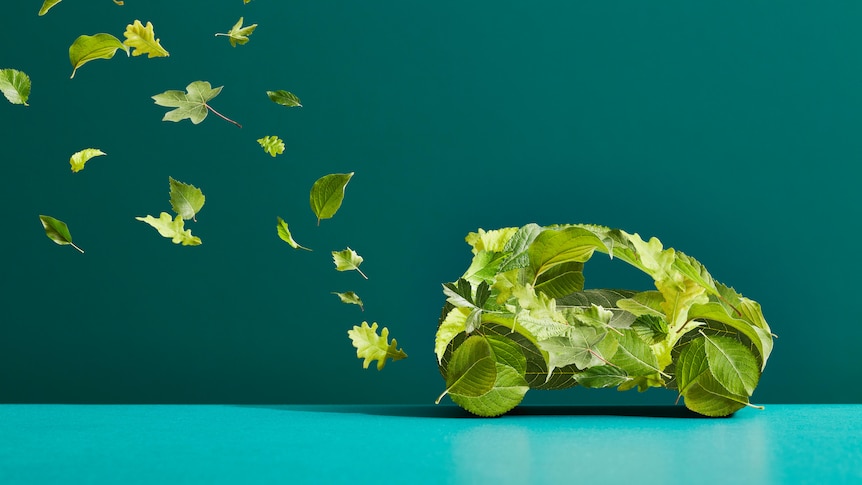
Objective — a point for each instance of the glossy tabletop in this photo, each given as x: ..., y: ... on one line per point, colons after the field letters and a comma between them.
x: 128, y: 444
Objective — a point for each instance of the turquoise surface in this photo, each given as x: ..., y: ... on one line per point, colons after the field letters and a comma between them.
x: 783, y: 444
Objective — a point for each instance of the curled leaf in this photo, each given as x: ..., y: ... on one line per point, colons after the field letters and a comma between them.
x: 57, y: 231
x: 80, y: 158
x: 350, y: 298
x: 284, y: 98
x: 272, y: 145
x: 90, y: 47
x: 327, y: 194
x: 143, y: 40
x: 46, y: 5
x: 284, y: 234
x: 15, y: 85
x: 172, y: 228
x: 371, y: 347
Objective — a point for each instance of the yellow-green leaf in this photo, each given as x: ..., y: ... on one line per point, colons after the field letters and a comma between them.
x: 172, y: 228
x: 371, y: 347
x: 90, y: 47
x: 284, y: 98
x: 186, y: 199
x: 350, y: 298
x: 347, y: 260
x: 327, y: 194
x: 143, y: 40
x: 272, y: 145
x: 238, y: 34
x: 46, y: 5
x: 284, y: 234
x: 80, y: 158
x: 15, y: 85
x: 57, y: 231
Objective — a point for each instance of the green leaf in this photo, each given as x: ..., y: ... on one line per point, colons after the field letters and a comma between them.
x: 284, y: 98
x: 143, y: 40
x: 579, y: 347
x: 238, y: 34
x: 186, y: 200
x: 732, y: 364
x: 507, y: 391
x: 454, y: 323
x: 371, y: 347
x: 350, y: 298
x: 90, y: 47
x: 46, y: 5
x: 634, y: 355
x: 57, y: 231
x: 80, y: 158
x: 557, y: 246
x: 272, y: 145
x: 347, y: 260
x: 602, y: 376
x: 172, y: 228
x: 284, y: 234
x: 706, y: 396
x: 472, y: 370
x: 691, y: 364
x: 192, y: 104
x: 327, y: 194
x: 561, y: 280
x: 15, y: 85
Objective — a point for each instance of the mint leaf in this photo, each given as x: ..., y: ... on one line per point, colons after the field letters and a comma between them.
x: 15, y: 86
x: 186, y: 200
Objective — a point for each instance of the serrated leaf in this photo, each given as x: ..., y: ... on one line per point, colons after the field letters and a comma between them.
x: 272, y: 145
x: 192, y: 104
x: 732, y: 364
x: 371, y: 347
x: 186, y: 200
x: 172, y: 228
x: 350, y: 298
x: 706, y: 396
x: 634, y: 355
x: 578, y: 347
x: 57, y: 231
x: 15, y: 85
x: 87, y: 48
x: 327, y: 194
x: 452, y: 324
x: 143, y: 40
x: 284, y: 234
x: 507, y: 392
x: 348, y: 260
x: 238, y: 34
x: 46, y: 5
x: 602, y: 376
x: 472, y: 370
x: 691, y: 364
x: 80, y: 158
x: 284, y: 98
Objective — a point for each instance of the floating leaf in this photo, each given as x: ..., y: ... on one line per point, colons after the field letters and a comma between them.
x: 284, y: 98
x: 327, y: 194
x: 90, y: 47
x: 192, y: 104
x: 46, y: 5
x: 284, y: 234
x: 186, y: 200
x: 15, y: 85
x: 371, y: 347
x: 351, y: 298
x: 272, y: 145
x: 347, y: 260
x: 172, y: 228
x: 143, y: 40
x: 57, y: 231
x: 80, y: 158
x: 239, y: 34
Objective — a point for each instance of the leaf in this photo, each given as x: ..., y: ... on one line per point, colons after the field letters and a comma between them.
x: 239, y: 34
x: 143, y: 40
x: 284, y: 234
x: 46, y: 5
x: 634, y: 355
x: 454, y: 323
x: 507, y: 391
x: 732, y: 364
x: 284, y: 98
x: 192, y: 104
x: 691, y: 364
x: 578, y: 347
x: 80, y: 158
x: 706, y: 396
x: 186, y: 200
x: 347, y: 260
x: 272, y: 145
x: 15, y: 85
x: 472, y: 369
x: 601, y: 376
x: 57, y: 231
x: 371, y: 347
x: 172, y: 228
x: 351, y: 298
x: 327, y: 194
x: 90, y: 47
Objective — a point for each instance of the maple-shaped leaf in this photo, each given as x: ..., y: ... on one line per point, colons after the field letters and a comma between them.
x: 238, y: 34
x: 90, y: 47
x: 371, y: 347
x: 351, y: 298
x: 284, y: 234
x: 172, y: 228
x: 272, y: 145
x: 186, y: 200
x: 143, y: 40
x: 80, y: 158
x: 15, y: 85
x: 347, y: 260
x: 57, y: 231
x: 191, y: 104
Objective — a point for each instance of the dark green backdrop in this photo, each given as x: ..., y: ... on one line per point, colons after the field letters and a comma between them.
x: 730, y: 130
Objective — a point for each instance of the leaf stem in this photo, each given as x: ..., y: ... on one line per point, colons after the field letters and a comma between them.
x: 360, y: 272
x: 222, y: 116
x: 76, y: 247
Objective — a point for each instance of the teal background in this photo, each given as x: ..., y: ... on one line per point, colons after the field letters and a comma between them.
x: 730, y: 130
